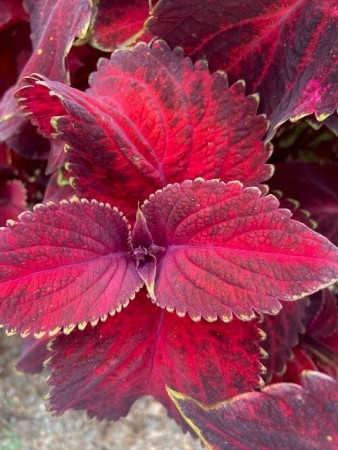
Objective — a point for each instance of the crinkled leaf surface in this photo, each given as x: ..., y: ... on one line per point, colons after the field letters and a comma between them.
x: 286, y: 50
x: 316, y: 188
x: 282, y: 416
x: 12, y: 200
x: 281, y: 335
x: 125, y: 19
x: 228, y: 250
x: 54, y: 26
x: 106, y: 368
x: 151, y: 118
x: 64, y: 265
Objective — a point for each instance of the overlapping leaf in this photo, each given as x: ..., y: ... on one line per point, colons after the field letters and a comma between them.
x: 282, y: 416
x: 286, y: 51
x: 151, y: 118
x: 282, y: 335
x: 316, y: 189
x: 34, y: 353
x: 126, y: 18
x: 54, y: 25
x: 104, y: 369
x: 64, y: 265
x: 228, y: 250
x: 12, y: 200
x: 320, y: 341
x: 11, y: 11
x: 203, y: 247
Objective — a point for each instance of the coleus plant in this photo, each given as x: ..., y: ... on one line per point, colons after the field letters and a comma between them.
x: 159, y: 262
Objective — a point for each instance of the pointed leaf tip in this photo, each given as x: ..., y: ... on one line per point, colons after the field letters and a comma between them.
x: 227, y: 250
x: 63, y: 265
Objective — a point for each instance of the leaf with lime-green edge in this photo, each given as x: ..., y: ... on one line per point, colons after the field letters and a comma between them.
x: 54, y: 25
x: 105, y: 369
x: 225, y: 249
x: 65, y: 265
x: 286, y: 50
x: 150, y: 118
x: 281, y: 416
x: 124, y: 27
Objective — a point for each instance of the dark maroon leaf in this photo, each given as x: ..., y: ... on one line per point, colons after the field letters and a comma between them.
x: 65, y: 265
x: 34, y: 353
x: 281, y: 335
x: 54, y: 25
x: 11, y: 11
x: 12, y: 200
x: 116, y: 21
x: 224, y: 249
x: 320, y: 341
x: 316, y: 189
x: 285, y: 50
x: 282, y: 416
x: 15, y: 50
x: 59, y: 187
x: 106, y: 368
x: 151, y: 118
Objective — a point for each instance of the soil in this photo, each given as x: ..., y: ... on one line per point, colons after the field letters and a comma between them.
x: 26, y: 425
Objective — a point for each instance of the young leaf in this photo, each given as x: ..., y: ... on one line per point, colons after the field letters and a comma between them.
x: 282, y: 416
x: 281, y: 335
x: 316, y: 188
x: 151, y: 118
x: 104, y: 369
x: 228, y: 250
x: 286, y: 50
x: 54, y: 24
x: 64, y: 265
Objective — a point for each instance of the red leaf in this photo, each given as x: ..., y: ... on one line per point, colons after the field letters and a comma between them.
x: 281, y: 335
x: 12, y: 200
x: 282, y: 416
x: 149, y: 119
x: 54, y: 26
x: 126, y: 18
x: 286, y: 50
x: 228, y: 250
x: 11, y: 11
x: 316, y: 188
x: 65, y: 265
x: 106, y: 368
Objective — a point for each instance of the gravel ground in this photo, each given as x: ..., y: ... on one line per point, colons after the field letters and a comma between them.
x: 25, y: 425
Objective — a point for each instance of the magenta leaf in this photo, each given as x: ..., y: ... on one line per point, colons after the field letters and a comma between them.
x: 126, y: 18
x: 282, y: 416
x: 13, y: 198
x: 282, y: 333
x: 54, y: 26
x: 316, y: 188
x: 286, y: 50
x: 104, y: 369
x: 188, y: 123
x: 65, y: 265
x: 229, y: 250
x: 11, y: 11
